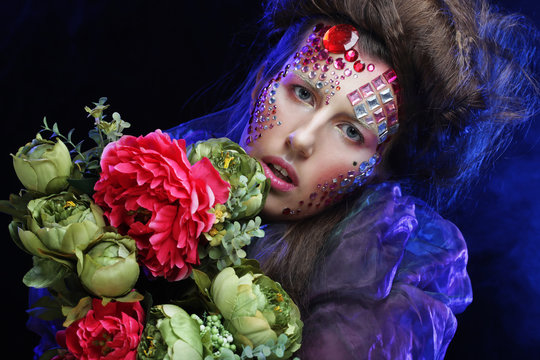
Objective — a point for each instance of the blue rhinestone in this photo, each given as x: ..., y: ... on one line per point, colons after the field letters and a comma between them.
x: 363, y: 166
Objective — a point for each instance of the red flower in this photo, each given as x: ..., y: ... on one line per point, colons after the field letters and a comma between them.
x: 150, y: 191
x: 62, y: 353
x: 108, y: 332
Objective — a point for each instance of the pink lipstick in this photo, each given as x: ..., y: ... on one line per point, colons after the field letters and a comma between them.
x: 282, y: 175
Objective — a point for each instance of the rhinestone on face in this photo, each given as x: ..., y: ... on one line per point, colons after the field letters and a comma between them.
x: 378, y: 83
x: 381, y: 127
x: 359, y: 66
x: 340, y: 38
x: 354, y: 97
x: 347, y: 72
x: 360, y: 111
x: 312, y: 75
x: 339, y: 64
x: 372, y: 102
x: 386, y: 95
x: 370, y: 67
x: 366, y: 90
x: 390, y: 107
x: 369, y: 120
x: 363, y: 166
x: 390, y: 76
x: 323, y: 54
x: 351, y: 55
x: 392, y: 120
x: 379, y: 115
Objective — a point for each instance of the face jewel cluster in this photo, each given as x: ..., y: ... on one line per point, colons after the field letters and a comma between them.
x: 333, y: 191
x: 376, y: 103
x: 263, y: 116
x: 330, y: 48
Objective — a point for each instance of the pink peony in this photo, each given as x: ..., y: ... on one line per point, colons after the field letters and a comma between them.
x: 150, y: 191
x: 110, y: 332
x: 62, y: 353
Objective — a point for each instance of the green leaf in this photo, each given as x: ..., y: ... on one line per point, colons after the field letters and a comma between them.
x: 44, y: 273
x: 78, y: 312
x: 202, y: 280
x: 69, y: 134
x: 7, y: 207
x: 14, y: 233
x: 49, y: 354
x: 46, y: 308
x: 132, y: 296
x: 85, y: 185
x: 55, y: 129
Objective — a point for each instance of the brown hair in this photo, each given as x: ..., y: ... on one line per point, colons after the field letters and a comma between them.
x: 465, y: 86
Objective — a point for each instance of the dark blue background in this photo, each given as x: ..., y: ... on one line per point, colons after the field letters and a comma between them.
x: 155, y: 61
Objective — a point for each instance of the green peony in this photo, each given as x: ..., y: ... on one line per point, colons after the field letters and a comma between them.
x: 170, y: 334
x: 249, y: 185
x: 257, y: 310
x: 109, y: 267
x: 57, y: 225
x: 43, y: 166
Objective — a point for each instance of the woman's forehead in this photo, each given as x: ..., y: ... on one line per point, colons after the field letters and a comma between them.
x: 330, y: 60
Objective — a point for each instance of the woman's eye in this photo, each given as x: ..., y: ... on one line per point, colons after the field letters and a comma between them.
x: 303, y: 94
x: 351, y: 132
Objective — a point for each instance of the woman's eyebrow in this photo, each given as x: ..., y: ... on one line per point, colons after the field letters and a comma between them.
x: 349, y: 114
x: 307, y: 80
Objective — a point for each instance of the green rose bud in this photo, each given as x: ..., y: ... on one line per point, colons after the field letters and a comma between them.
x: 170, y: 334
x: 256, y: 308
x: 249, y: 185
x: 109, y: 267
x: 43, y: 166
x: 59, y: 224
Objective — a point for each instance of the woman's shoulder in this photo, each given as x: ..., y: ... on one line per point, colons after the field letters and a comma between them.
x: 389, y: 238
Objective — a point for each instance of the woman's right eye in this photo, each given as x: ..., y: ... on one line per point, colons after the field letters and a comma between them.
x: 303, y: 94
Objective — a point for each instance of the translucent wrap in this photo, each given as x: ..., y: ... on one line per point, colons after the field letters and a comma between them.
x: 389, y: 285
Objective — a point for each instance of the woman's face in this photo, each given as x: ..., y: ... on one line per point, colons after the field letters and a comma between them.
x: 311, y: 142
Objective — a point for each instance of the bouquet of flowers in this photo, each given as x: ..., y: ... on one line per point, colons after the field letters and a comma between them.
x: 140, y: 244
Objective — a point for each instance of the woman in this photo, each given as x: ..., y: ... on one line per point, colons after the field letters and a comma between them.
x: 377, y: 274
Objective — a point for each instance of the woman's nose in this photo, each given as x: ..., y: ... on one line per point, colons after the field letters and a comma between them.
x: 301, y: 141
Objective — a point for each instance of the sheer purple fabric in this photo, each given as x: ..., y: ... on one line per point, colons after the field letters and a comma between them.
x: 390, y: 284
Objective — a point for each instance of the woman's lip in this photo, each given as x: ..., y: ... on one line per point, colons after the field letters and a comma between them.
x: 278, y: 183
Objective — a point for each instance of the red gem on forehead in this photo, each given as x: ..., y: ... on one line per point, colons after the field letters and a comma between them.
x: 340, y: 38
x: 359, y: 66
x: 351, y: 55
